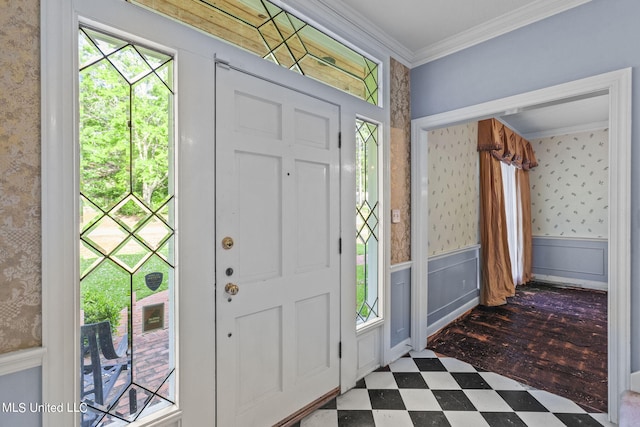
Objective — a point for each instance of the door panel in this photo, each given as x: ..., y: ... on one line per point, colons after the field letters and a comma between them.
x: 277, y: 193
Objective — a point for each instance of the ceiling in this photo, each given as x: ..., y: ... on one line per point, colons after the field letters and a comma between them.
x: 419, y: 31
x: 562, y: 117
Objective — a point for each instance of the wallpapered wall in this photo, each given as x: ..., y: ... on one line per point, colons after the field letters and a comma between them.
x: 20, y: 265
x: 453, y: 188
x: 400, y: 159
x: 569, y: 188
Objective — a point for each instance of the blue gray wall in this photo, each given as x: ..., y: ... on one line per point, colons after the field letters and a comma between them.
x: 581, y: 259
x: 400, y: 306
x: 453, y: 282
x: 594, y: 38
x: 20, y: 394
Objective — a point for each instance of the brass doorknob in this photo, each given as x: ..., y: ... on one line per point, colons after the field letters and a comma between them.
x: 227, y: 243
x: 231, y: 288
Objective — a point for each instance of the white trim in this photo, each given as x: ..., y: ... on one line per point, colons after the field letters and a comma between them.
x: 441, y: 255
x: 589, y: 127
x: 564, y: 282
x: 58, y: 23
x: 419, y: 239
x: 441, y: 323
x: 399, y: 350
x: 521, y: 17
x: 618, y: 84
x: 401, y: 266
x: 21, y: 360
x: 582, y: 239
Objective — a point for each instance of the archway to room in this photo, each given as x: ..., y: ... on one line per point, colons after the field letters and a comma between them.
x: 612, y: 84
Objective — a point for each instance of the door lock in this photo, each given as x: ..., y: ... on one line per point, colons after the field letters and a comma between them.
x: 231, y: 288
x: 227, y: 243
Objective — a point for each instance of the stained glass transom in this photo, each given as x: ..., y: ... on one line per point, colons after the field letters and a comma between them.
x: 127, y: 231
x: 265, y: 29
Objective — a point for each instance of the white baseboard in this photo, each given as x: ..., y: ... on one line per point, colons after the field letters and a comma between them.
x: 441, y: 323
x: 400, y: 350
x: 576, y: 283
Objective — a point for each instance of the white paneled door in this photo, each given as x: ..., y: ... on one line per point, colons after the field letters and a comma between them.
x: 277, y: 256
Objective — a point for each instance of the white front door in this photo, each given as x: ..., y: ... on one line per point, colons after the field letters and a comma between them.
x: 277, y: 202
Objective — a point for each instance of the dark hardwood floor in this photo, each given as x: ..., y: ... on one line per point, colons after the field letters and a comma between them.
x: 550, y: 338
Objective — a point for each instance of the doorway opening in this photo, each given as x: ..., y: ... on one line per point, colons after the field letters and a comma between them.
x: 617, y: 86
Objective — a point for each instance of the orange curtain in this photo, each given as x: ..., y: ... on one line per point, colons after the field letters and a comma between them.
x: 497, y: 143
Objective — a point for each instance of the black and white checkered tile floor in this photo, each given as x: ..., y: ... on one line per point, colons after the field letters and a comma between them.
x: 425, y: 390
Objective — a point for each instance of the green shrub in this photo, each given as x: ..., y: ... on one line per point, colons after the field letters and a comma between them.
x: 98, y: 306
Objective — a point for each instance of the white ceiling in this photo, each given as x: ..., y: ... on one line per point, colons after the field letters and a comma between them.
x: 419, y: 31
x: 561, y: 118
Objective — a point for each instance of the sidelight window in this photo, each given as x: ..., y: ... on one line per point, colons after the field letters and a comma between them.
x: 127, y: 229
x: 367, y: 222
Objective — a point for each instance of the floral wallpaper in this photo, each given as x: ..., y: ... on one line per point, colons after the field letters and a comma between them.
x: 20, y: 265
x: 569, y: 188
x: 400, y: 159
x: 453, y: 188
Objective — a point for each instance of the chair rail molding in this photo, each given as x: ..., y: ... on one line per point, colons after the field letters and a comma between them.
x: 21, y: 360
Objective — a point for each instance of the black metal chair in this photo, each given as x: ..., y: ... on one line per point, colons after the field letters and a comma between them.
x: 99, y: 376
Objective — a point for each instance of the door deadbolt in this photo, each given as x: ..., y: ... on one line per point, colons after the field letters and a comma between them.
x: 231, y: 288
x: 227, y: 243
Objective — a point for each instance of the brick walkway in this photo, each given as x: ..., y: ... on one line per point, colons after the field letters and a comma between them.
x: 151, y: 359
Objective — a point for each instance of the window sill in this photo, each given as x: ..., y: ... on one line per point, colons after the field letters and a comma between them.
x: 164, y: 417
x: 371, y: 324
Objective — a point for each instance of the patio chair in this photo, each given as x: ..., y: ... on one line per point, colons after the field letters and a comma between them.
x: 100, y: 375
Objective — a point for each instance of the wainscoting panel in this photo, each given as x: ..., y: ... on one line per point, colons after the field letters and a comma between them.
x: 20, y: 397
x: 453, y: 282
x: 400, y: 306
x: 581, y: 259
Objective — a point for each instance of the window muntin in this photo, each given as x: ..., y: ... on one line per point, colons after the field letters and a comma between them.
x: 265, y: 29
x: 367, y: 222
x: 127, y: 226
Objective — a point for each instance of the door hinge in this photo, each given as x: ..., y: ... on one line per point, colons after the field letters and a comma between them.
x: 340, y: 245
x: 340, y: 350
x: 339, y: 139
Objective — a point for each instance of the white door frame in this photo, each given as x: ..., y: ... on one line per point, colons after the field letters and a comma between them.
x: 60, y: 302
x: 618, y: 85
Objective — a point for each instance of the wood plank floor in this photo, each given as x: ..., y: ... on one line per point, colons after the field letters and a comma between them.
x: 550, y: 338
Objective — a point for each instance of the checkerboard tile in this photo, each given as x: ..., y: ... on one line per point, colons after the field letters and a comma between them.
x: 425, y: 390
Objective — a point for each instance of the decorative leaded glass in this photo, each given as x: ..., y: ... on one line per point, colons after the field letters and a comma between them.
x: 126, y: 229
x: 367, y: 221
x: 265, y: 29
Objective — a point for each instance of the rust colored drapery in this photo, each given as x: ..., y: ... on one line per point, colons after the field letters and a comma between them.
x: 497, y: 143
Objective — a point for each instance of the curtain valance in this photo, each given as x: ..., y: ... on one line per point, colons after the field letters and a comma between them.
x: 505, y: 145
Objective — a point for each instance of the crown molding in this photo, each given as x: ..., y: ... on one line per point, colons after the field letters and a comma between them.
x: 521, y: 17
x: 569, y: 130
x: 349, y: 26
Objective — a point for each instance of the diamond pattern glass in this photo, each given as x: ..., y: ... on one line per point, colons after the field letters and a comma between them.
x: 367, y: 221
x: 126, y: 248
x: 263, y: 28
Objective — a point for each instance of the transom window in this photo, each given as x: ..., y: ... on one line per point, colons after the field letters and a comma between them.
x: 126, y: 214
x: 265, y: 29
